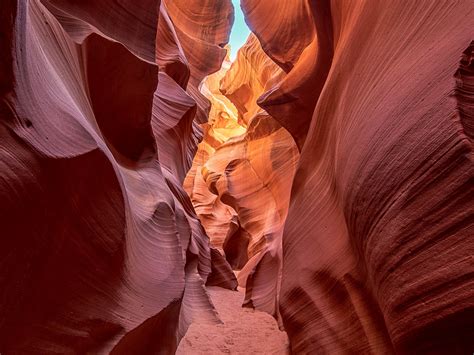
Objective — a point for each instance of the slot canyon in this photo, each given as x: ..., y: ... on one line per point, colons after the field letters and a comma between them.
x: 164, y: 192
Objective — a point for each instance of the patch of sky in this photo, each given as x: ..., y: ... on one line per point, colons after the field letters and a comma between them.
x: 240, y: 31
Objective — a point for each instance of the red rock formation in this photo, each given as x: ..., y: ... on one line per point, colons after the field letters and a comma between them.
x: 206, y: 23
x: 217, y: 218
x: 291, y: 101
x: 334, y: 172
x: 376, y: 249
x: 101, y: 249
x: 278, y: 28
x: 252, y: 74
x: 240, y: 184
x: 110, y: 19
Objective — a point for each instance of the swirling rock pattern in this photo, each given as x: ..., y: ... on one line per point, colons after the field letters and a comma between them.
x: 305, y: 57
x: 203, y: 28
x: 330, y: 166
x: 252, y: 74
x: 241, y: 178
x: 377, y: 255
x: 101, y: 250
x: 217, y: 218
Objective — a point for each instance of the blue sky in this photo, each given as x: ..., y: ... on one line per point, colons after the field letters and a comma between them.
x: 240, y: 31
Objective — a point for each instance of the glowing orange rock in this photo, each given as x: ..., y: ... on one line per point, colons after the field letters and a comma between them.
x: 101, y: 248
x: 240, y: 185
x: 376, y: 249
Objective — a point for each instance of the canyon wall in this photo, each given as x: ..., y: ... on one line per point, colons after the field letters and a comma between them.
x: 377, y: 246
x: 101, y: 250
x: 330, y: 166
x: 241, y: 178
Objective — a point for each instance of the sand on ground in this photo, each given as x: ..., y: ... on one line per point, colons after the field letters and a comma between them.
x: 244, y: 330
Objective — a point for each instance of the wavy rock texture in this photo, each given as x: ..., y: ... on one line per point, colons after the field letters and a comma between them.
x: 334, y: 173
x: 292, y: 100
x: 110, y: 19
x: 252, y: 74
x: 241, y: 178
x: 377, y: 254
x: 101, y: 248
x: 217, y: 218
x: 202, y: 27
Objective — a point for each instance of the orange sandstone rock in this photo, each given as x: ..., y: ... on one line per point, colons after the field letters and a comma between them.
x: 101, y: 249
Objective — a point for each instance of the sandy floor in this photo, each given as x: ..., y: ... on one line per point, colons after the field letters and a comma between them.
x: 244, y: 331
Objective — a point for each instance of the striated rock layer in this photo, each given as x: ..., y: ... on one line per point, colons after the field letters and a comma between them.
x: 241, y: 178
x: 101, y: 250
x: 217, y: 218
x: 202, y: 27
x: 377, y: 247
x: 330, y: 166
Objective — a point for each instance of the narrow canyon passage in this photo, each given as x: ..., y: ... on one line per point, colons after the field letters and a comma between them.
x: 239, y: 184
x: 240, y: 179
x: 309, y: 193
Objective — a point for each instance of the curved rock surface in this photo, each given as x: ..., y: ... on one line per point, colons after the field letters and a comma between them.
x: 241, y: 178
x: 217, y: 218
x: 252, y: 73
x: 304, y: 55
x: 203, y: 28
x: 330, y: 167
x: 101, y: 250
x: 377, y: 254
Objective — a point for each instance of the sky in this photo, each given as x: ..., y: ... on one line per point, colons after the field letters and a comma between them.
x: 240, y: 31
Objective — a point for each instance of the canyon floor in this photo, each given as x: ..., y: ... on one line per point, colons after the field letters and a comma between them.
x: 244, y: 330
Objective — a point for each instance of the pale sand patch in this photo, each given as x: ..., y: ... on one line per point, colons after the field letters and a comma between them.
x: 244, y: 331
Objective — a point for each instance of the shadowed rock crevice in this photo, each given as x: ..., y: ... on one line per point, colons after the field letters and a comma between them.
x: 314, y: 195
x: 465, y: 90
